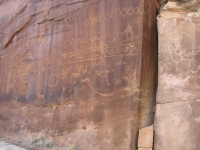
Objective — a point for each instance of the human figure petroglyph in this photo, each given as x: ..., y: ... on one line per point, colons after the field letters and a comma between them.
x: 105, y: 77
x: 129, y: 32
x: 102, y: 48
x: 104, y: 74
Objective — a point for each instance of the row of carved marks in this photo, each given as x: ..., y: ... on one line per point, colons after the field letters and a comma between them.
x: 123, y: 48
x: 82, y: 47
x: 81, y: 74
x: 79, y: 44
x: 103, y: 78
x: 100, y: 75
x: 127, y: 47
x: 116, y: 13
x: 104, y: 17
x: 100, y: 50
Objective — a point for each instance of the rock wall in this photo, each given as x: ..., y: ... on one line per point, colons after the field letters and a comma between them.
x: 79, y: 73
x: 177, y: 110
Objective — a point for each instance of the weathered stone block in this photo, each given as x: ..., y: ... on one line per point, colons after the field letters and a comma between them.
x: 145, y: 139
x: 177, y: 126
x: 179, y: 65
x: 177, y: 110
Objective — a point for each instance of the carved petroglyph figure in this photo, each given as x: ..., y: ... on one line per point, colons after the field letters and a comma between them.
x: 75, y: 75
x: 53, y: 80
x: 63, y: 73
x: 102, y: 48
x: 102, y: 80
x: 129, y: 32
x: 103, y: 73
x: 106, y: 76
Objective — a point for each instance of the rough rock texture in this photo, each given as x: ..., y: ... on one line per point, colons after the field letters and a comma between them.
x: 179, y: 8
x: 179, y: 53
x: 177, y: 111
x: 177, y: 126
x: 6, y: 146
x: 78, y: 72
x: 145, y: 139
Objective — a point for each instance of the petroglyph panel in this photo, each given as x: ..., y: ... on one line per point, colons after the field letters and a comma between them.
x: 61, y: 58
x: 179, y: 66
x: 78, y: 71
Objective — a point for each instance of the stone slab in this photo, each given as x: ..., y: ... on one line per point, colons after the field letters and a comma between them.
x: 145, y: 139
x: 177, y: 126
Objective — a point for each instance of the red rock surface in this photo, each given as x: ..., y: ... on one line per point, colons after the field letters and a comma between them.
x: 80, y: 73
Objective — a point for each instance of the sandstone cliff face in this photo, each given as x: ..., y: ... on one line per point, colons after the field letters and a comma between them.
x: 79, y: 73
x: 177, y: 113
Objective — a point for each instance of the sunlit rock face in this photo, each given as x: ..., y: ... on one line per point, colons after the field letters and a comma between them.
x: 80, y: 73
x: 177, y: 113
x: 179, y: 8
